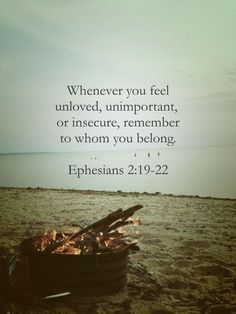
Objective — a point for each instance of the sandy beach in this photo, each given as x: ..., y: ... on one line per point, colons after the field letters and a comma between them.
x: 187, y: 258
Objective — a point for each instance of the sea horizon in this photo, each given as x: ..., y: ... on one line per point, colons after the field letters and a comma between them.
x: 205, y: 172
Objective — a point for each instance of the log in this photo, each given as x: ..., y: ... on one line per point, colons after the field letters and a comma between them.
x: 100, y: 225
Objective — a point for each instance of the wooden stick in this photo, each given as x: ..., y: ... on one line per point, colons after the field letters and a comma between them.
x: 100, y: 225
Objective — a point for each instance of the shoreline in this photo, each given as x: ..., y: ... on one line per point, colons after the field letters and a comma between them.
x: 121, y: 192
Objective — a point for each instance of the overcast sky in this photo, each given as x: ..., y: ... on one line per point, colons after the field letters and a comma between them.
x: 46, y: 45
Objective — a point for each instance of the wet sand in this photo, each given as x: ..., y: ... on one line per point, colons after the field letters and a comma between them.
x: 187, y: 258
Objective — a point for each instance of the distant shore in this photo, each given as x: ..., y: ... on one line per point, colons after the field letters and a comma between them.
x: 121, y: 192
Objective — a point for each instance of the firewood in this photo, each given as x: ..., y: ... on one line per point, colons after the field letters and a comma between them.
x: 98, y: 224
x: 103, y: 226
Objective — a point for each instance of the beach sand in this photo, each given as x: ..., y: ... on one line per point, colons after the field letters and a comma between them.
x: 187, y: 258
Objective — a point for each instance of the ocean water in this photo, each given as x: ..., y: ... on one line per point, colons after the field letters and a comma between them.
x: 193, y: 171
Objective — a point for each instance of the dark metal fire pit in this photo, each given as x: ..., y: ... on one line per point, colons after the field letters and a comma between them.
x: 92, y: 260
x: 89, y: 274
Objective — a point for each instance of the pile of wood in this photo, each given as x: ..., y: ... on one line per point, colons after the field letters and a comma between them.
x: 102, y: 236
